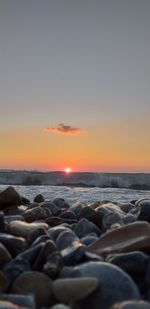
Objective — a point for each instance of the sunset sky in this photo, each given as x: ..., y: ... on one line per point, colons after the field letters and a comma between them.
x: 75, y: 85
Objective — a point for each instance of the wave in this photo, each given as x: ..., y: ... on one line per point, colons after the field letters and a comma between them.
x: 138, y: 181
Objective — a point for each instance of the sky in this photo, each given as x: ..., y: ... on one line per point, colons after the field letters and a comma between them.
x: 75, y: 85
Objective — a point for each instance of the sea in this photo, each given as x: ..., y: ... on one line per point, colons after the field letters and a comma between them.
x: 86, y: 187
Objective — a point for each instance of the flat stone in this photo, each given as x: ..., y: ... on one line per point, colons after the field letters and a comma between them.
x: 61, y: 203
x: 14, y: 244
x: 75, y: 289
x: 22, y: 229
x: 110, y: 219
x: 114, y: 285
x: 5, y: 255
x: 9, y: 197
x: 35, y: 283
x: 20, y: 300
x: 37, y: 213
x: 4, y: 282
x: 131, y: 237
x: 85, y: 227
x: 15, y: 268
x: 140, y: 304
x: 39, y: 198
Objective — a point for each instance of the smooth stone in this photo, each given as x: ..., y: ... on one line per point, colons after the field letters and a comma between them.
x: 9, y: 219
x: 2, y: 222
x: 31, y: 253
x: 20, y: 300
x: 25, y: 201
x: 54, y: 232
x: 68, y: 215
x: 15, y: 268
x: 143, y: 210
x: 4, y: 304
x: 36, y: 283
x: 89, y: 239
x: 54, y: 221
x: 41, y: 239
x: 129, y: 218
x: 5, y: 255
x: 130, y: 262
x: 47, y: 248
x: 110, y: 207
x: 131, y: 237
x: 114, y: 285
x: 140, y: 304
x: 53, y: 265
x: 37, y: 213
x: 76, y: 207
x: 4, y: 282
x: 14, y: 245
x: 71, y: 249
x: 33, y: 235
x: 61, y: 306
x: 91, y: 215
x: 75, y: 289
x: 39, y: 198
x: 126, y: 207
x: 22, y: 229
x: 61, y: 203
x: 55, y: 210
x: 110, y: 219
x: 85, y: 227
x: 13, y: 211
x: 9, y: 197
x: 148, y: 274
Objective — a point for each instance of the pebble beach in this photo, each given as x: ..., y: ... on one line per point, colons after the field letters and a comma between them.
x: 61, y: 256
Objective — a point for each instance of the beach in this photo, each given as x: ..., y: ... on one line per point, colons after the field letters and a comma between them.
x: 82, y: 254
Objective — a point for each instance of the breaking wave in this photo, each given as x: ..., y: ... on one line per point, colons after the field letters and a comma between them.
x: 138, y: 181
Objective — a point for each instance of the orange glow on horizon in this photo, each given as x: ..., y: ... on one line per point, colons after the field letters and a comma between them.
x: 68, y: 170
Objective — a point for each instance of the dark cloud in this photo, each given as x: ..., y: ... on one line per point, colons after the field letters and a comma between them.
x: 65, y: 129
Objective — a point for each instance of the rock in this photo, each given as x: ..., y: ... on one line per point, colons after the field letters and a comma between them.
x: 75, y: 289
x: 61, y: 203
x: 37, y: 213
x: 2, y: 222
x: 76, y: 207
x: 25, y: 201
x: 5, y: 255
x: 35, y: 283
x: 148, y: 274
x: 85, y: 227
x: 22, y: 229
x: 9, y: 305
x: 9, y: 197
x: 140, y: 304
x: 12, y: 211
x: 39, y: 198
x: 31, y: 254
x: 14, y: 245
x: 110, y: 219
x: 129, y: 218
x: 55, y: 231
x: 68, y: 215
x: 33, y: 235
x: 4, y: 282
x: 71, y: 249
x: 20, y: 300
x: 53, y: 265
x: 15, y: 268
x: 55, y: 210
x: 89, y: 239
x: 9, y: 219
x: 47, y: 248
x: 114, y: 285
x: 143, y: 210
x: 130, y: 262
x: 126, y: 207
x: 61, y: 306
x: 91, y: 215
x: 131, y: 237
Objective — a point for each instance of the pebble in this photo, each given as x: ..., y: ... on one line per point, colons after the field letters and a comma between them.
x: 132, y: 305
x: 4, y: 282
x: 5, y: 255
x: 37, y: 283
x: 75, y: 289
x: 22, y: 229
x: 39, y: 198
x: 9, y: 197
x: 84, y: 227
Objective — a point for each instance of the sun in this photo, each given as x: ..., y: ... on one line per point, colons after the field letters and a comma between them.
x: 68, y: 170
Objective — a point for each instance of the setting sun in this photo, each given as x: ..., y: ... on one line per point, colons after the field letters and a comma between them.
x: 68, y: 170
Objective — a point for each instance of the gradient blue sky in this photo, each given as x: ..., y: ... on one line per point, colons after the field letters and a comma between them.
x: 81, y: 63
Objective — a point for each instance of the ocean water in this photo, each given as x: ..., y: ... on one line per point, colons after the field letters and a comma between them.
x: 75, y: 194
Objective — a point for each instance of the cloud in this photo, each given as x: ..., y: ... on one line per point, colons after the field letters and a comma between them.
x: 65, y: 129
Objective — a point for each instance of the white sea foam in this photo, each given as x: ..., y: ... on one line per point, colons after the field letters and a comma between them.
x: 103, y: 180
